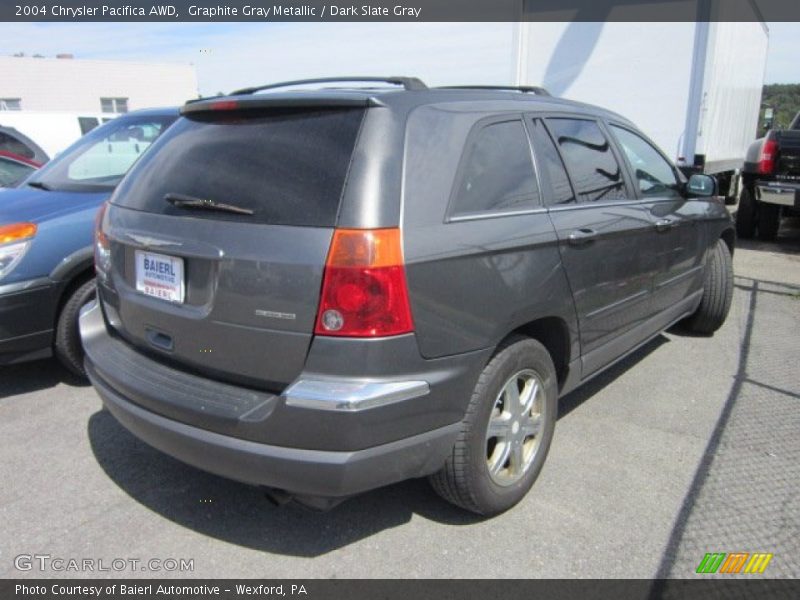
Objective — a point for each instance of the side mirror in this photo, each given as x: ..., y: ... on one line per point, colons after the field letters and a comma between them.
x: 700, y: 185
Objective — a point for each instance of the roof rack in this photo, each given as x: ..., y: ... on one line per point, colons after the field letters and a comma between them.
x: 530, y: 89
x: 409, y: 83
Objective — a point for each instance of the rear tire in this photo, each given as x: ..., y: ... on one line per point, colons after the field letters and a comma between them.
x: 746, y: 215
x: 769, y: 217
x: 491, y: 470
x: 68, y: 347
x: 717, y: 292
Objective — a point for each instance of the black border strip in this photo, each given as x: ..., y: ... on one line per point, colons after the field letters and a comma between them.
x: 397, y: 10
x: 393, y: 589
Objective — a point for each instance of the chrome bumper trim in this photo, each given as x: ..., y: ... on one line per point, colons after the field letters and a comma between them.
x: 777, y: 195
x: 351, y: 395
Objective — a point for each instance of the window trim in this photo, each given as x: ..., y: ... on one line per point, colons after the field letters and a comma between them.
x: 675, y: 171
x: 469, y: 144
x: 600, y: 122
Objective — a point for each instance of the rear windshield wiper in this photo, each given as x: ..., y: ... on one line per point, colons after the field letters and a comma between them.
x: 182, y: 201
x: 40, y: 185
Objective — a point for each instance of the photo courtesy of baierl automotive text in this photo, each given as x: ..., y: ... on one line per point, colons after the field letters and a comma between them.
x: 503, y: 292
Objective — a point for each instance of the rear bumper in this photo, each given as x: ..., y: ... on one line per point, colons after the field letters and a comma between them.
x: 323, y: 436
x: 308, y: 472
x: 782, y: 194
x: 26, y: 321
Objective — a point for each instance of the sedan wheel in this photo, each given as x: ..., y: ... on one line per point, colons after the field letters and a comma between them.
x: 506, y: 431
x: 512, y: 438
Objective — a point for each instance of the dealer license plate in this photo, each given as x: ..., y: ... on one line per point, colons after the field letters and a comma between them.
x: 160, y: 276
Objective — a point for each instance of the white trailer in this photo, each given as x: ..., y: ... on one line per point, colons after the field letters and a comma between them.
x: 53, y: 131
x: 695, y: 88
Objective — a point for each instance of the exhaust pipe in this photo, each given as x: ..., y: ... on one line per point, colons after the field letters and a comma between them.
x: 279, y: 498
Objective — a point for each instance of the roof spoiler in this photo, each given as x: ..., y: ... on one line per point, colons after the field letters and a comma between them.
x: 267, y: 101
x: 529, y: 89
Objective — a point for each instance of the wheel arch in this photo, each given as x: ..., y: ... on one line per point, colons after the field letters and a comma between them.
x: 554, y: 334
x: 76, y: 279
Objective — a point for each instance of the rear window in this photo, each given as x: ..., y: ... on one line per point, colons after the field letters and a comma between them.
x: 288, y: 167
x: 11, y: 144
x: 12, y: 172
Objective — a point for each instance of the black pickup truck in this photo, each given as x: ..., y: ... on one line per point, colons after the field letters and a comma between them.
x: 771, y: 183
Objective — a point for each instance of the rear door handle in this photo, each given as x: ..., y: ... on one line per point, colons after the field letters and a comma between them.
x: 582, y: 236
x: 664, y: 224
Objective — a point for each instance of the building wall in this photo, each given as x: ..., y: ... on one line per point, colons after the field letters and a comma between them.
x: 61, y: 84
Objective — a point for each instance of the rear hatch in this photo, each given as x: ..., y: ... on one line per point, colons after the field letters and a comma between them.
x: 219, y: 237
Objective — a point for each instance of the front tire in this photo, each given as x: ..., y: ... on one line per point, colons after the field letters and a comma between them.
x: 506, y: 432
x: 68, y: 347
x: 717, y: 292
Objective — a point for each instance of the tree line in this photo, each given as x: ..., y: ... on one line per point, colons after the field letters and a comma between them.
x: 784, y: 100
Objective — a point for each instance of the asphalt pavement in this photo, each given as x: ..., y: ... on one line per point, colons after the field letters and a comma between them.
x: 688, y: 446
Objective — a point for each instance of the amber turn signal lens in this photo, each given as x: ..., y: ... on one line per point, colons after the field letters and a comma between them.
x: 16, y: 232
x: 365, y: 248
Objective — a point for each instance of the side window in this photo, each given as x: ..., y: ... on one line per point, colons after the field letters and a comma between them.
x: 87, y: 124
x: 654, y: 175
x: 114, y: 105
x: 112, y: 156
x: 496, y: 173
x: 550, y: 162
x: 590, y: 161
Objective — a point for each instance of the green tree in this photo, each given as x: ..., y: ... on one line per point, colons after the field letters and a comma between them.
x: 784, y: 99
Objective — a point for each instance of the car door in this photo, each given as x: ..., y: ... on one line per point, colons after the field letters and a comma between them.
x: 678, y: 242
x: 603, y: 234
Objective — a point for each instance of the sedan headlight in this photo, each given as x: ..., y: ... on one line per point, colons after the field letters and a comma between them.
x: 15, y: 239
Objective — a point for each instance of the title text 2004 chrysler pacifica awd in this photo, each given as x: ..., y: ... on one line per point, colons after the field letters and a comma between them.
x: 323, y: 291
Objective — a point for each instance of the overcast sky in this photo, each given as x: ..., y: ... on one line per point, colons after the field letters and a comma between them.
x: 230, y: 55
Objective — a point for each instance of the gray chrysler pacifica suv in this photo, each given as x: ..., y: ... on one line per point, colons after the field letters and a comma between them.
x: 326, y: 290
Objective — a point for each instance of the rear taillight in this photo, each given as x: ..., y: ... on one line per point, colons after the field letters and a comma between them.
x: 769, y: 154
x: 364, y: 291
x: 102, y: 245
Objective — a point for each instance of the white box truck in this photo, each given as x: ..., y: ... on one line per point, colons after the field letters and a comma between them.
x: 695, y: 88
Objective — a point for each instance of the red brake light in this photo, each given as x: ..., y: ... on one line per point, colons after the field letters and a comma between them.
x: 224, y: 105
x: 766, y: 162
x: 364, y: 291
